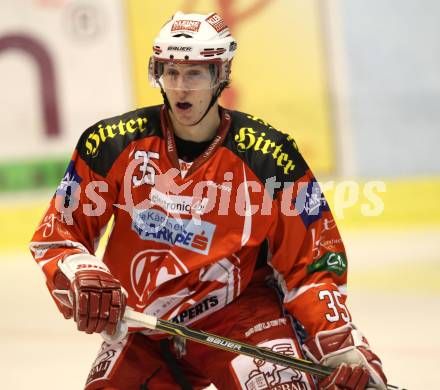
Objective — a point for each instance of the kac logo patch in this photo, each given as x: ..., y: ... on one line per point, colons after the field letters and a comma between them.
x: 70, y: 180
x: 69, y: 184
x: 310, y: 203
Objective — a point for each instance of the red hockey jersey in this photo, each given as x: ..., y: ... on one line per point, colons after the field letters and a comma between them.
x: 187, y: 238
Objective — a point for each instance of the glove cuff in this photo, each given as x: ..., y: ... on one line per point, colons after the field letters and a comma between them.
x: 327, y: 343
x: 70, y: 265
x: 347, y: 345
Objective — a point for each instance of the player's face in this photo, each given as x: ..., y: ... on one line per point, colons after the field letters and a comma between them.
x: 189, y: 89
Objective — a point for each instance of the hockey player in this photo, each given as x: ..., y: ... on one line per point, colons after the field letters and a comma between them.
x: 218, y: 223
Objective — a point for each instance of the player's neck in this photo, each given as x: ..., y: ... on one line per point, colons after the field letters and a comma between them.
x: 203, y: 131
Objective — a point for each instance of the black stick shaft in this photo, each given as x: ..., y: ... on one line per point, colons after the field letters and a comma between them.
x: 242, y: 348
x: 233, y: 346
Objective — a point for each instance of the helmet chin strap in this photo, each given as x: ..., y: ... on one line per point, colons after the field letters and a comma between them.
x: 214, y: 98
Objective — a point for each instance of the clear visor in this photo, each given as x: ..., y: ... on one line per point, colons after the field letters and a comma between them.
x: 186, y: 77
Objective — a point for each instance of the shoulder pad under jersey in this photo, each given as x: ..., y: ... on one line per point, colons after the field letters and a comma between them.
x: 267, y: 151
x: 101, y: 144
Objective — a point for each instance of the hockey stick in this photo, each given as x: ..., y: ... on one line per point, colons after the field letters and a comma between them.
x: 151, y: 322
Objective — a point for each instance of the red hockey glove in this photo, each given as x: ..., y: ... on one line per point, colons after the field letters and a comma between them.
x: 347, y: 349
x: 346, y: 377
x: 97, y: 299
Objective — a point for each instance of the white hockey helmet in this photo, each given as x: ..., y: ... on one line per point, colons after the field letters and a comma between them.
x: 194, y: 39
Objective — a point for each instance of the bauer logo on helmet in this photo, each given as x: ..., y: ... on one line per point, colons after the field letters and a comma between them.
x: 179, y: 48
